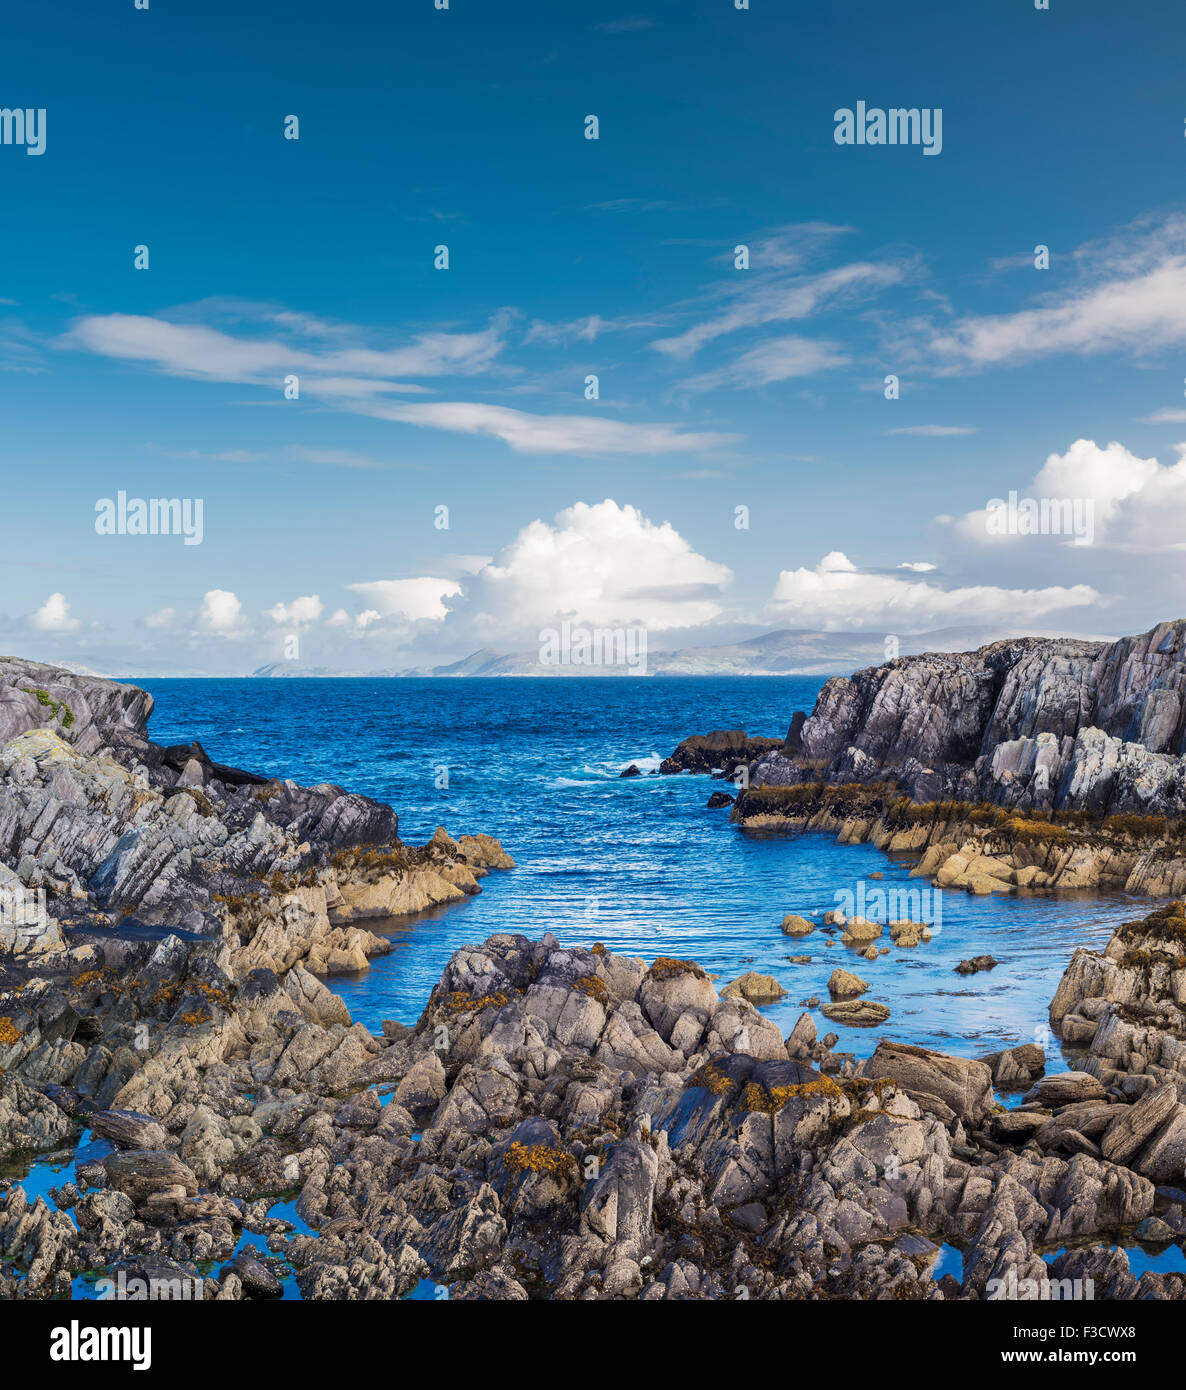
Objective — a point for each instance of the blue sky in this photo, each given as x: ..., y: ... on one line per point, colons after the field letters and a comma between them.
x: 465, y: 388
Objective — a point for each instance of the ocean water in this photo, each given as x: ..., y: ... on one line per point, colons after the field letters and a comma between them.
x: 640, y: 863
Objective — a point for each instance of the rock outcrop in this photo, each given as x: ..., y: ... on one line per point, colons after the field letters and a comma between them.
x: 1035, y: 724
x: 722, y: 751
x: 100, y: 828
x: 562, y: 1122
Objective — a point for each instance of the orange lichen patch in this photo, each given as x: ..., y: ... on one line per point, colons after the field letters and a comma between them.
x: 756, y: 1097
x: 191, y: 1020
x: 9, y: 1033
x: 594, y: 987
x: 667, y: 968
x: 384, y: 859
x: 711, y: 1079
x: 1132, y: 960
x: 598, y: 948
x: 200, y: 800
x: 539, y: 1158
x: 1035, y: 831
x: 1166, y: 923
x: 237, y: 900
x: 458, y: 1002
x: 87, y: 979
x: 1144, y: 827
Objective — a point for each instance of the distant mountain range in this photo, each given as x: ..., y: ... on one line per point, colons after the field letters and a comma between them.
x: 785, y: 652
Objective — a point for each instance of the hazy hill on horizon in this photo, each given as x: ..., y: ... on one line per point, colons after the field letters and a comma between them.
x: 781, y: 652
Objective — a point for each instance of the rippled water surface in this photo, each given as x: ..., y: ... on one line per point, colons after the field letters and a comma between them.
x: 639, y: 863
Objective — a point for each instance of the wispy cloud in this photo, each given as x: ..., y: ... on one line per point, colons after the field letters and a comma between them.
x: 550, y: 434
x: 335, y: 367
x: 1131, y: 298
x: 777, y: 359
x: 777, y: 288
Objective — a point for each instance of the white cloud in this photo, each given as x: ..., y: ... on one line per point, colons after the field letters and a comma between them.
x: 583, y: 330
x: 1137, y: 504
x: 767, y: 293
x: 837, y: 595
x: 299, y: 612
x: 918, y: 566
x: 220, y: 614
x: 601, y: 564
x: 1133, y: 299
x: 549, y: 434
x: 333, y: 365
x: 54, y: 616
x: 198, y: 350
x: 778, y: 359
x: 414, y: 599
x: 1164, y: 417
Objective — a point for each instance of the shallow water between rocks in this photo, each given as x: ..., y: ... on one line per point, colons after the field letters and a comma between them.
x: 638, y: 863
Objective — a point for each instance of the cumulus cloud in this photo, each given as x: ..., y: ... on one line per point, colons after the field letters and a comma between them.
x: 1137, y: 503
x: 836, y: 595
x: 220, y: 614
x: 299, y: 612
x: 416, y: 600
x: 601, y: 564
x: 54, y: 616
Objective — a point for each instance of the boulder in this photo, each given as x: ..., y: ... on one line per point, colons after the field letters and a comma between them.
x: 950, y: 1087
x: 844, y: 985
x: 757, y: 989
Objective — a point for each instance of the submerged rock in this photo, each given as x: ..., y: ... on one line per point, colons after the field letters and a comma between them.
x: 976, y: 964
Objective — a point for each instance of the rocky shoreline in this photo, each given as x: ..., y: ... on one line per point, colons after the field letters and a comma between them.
x: 561, y: 1122
x: 1036, y: 765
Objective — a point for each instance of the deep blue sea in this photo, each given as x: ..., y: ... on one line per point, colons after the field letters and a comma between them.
x: 640, y: 863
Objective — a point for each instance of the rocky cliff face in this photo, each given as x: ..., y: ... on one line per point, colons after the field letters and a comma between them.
x: 1035, y: 724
